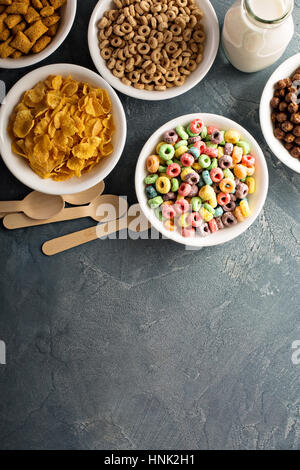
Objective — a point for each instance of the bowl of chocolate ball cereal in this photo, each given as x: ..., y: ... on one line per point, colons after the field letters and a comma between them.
x: 153, y: 50
x: 280, y: 112
x: 31, y: 30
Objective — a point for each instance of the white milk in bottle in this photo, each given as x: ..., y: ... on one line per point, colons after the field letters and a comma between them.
x: 257, y: 32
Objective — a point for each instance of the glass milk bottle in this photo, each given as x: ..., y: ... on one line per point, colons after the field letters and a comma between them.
x: 257, y: 32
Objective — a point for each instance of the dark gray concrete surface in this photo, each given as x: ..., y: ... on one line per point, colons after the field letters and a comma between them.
x: 144, y: 345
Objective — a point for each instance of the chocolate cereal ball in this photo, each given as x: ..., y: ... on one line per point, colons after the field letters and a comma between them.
x: 282, y: 106
x: 281, y: 117
x: 279, y: 134
x: 293, y: 108
x: 287, y: 126
x: 295, y: 118
x: 289, y: 138
x: 275, y: 102
x: 295, y: 152
x: 296, y: 131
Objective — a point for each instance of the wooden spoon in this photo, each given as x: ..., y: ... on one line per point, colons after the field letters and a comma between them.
x: 60, y: 244
x: 117, y: 205
x: 36, y: 205
x: 79, y: 199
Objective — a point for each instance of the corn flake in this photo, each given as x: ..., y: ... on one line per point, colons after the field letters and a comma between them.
x: 62, y: 127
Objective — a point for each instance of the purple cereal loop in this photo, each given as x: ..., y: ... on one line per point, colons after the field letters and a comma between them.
x: 229, y: 207
x: 216, y: 137
x: 228, y: 219
x: 228, y: 149
x: 193, y: 140
x: 225, y: 162
x: 233, y: 197
x: 242, y: 190
x: 170, y: 137
x: 194, y: 191
x: 192, y: 178
x: 203, y: 230
x: 169, y: 196
x: 219, y: 223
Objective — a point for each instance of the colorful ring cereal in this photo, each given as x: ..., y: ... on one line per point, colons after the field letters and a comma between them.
x: 199, y: 178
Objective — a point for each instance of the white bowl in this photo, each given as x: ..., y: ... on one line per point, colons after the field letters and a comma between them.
x: 210, y: 51
x: 68, y: 12
x: 19, y: 166
x: 286, y: 69
x: 256, y: 200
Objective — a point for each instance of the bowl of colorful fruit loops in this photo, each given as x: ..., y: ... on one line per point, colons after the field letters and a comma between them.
x: 201, y: 180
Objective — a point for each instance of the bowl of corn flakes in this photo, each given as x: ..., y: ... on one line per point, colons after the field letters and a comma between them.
x: 31, y: 30
x: 62, y: 129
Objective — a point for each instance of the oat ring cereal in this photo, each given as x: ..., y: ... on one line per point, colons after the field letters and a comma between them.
x: 164, y: 37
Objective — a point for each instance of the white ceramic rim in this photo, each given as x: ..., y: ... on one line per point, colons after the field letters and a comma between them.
x: 69, y: 13
x: 228, y: 234
x: 283, y: 71
x: 210, y: 54
x: 88, y: 180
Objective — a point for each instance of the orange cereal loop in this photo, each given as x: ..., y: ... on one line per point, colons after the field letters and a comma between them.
x: 170, y: 225
x: 238, y: 214
x: 237, y: 155
x: 152, y: 163
x: 227, y: 185
x: 250, y: 170
x: 240, y: 171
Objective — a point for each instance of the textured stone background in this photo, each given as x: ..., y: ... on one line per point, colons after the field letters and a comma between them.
x: 143, y: 345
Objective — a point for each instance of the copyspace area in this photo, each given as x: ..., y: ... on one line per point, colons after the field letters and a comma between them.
x: 142, y: 344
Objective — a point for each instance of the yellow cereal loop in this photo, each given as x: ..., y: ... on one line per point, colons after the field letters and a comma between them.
x: 158, y: 147
x: 250, y: 170
x: 220, y: 152
x: 207, y: 192
x: 196, y: 166
x: 186, y: 172
x: 232, y: 136
x: 182, y: 221
x: 180, y: 151
x: 250, y: 182
x: 205, y: 214
x: 245, y: 209
x: 163, y: 185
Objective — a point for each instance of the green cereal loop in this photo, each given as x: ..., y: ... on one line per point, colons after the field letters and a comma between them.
x: 243, y: 180
x: 166, y: 151
x: 228, y: 174
x: 159, y: 215
x: 181, y: 143
x: 245, y: 146
x: 204, y: 161
x: 169, y: 162
x: 174, y: 185
x: 190, y: 133
x: 178, y: 162
x: 209, y: 208
x: 196, y: 204
x: 210, y: 145
x: 155, y: 202
x: 204, y: 133
x: 214, y: 164
x: 182, y: 133
x: 162, y: 169
x: 150, y: 179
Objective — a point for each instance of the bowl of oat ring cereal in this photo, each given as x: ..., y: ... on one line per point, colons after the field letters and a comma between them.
x: 153, y: 50
x: 280, y: 112
x: 31, y: 30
